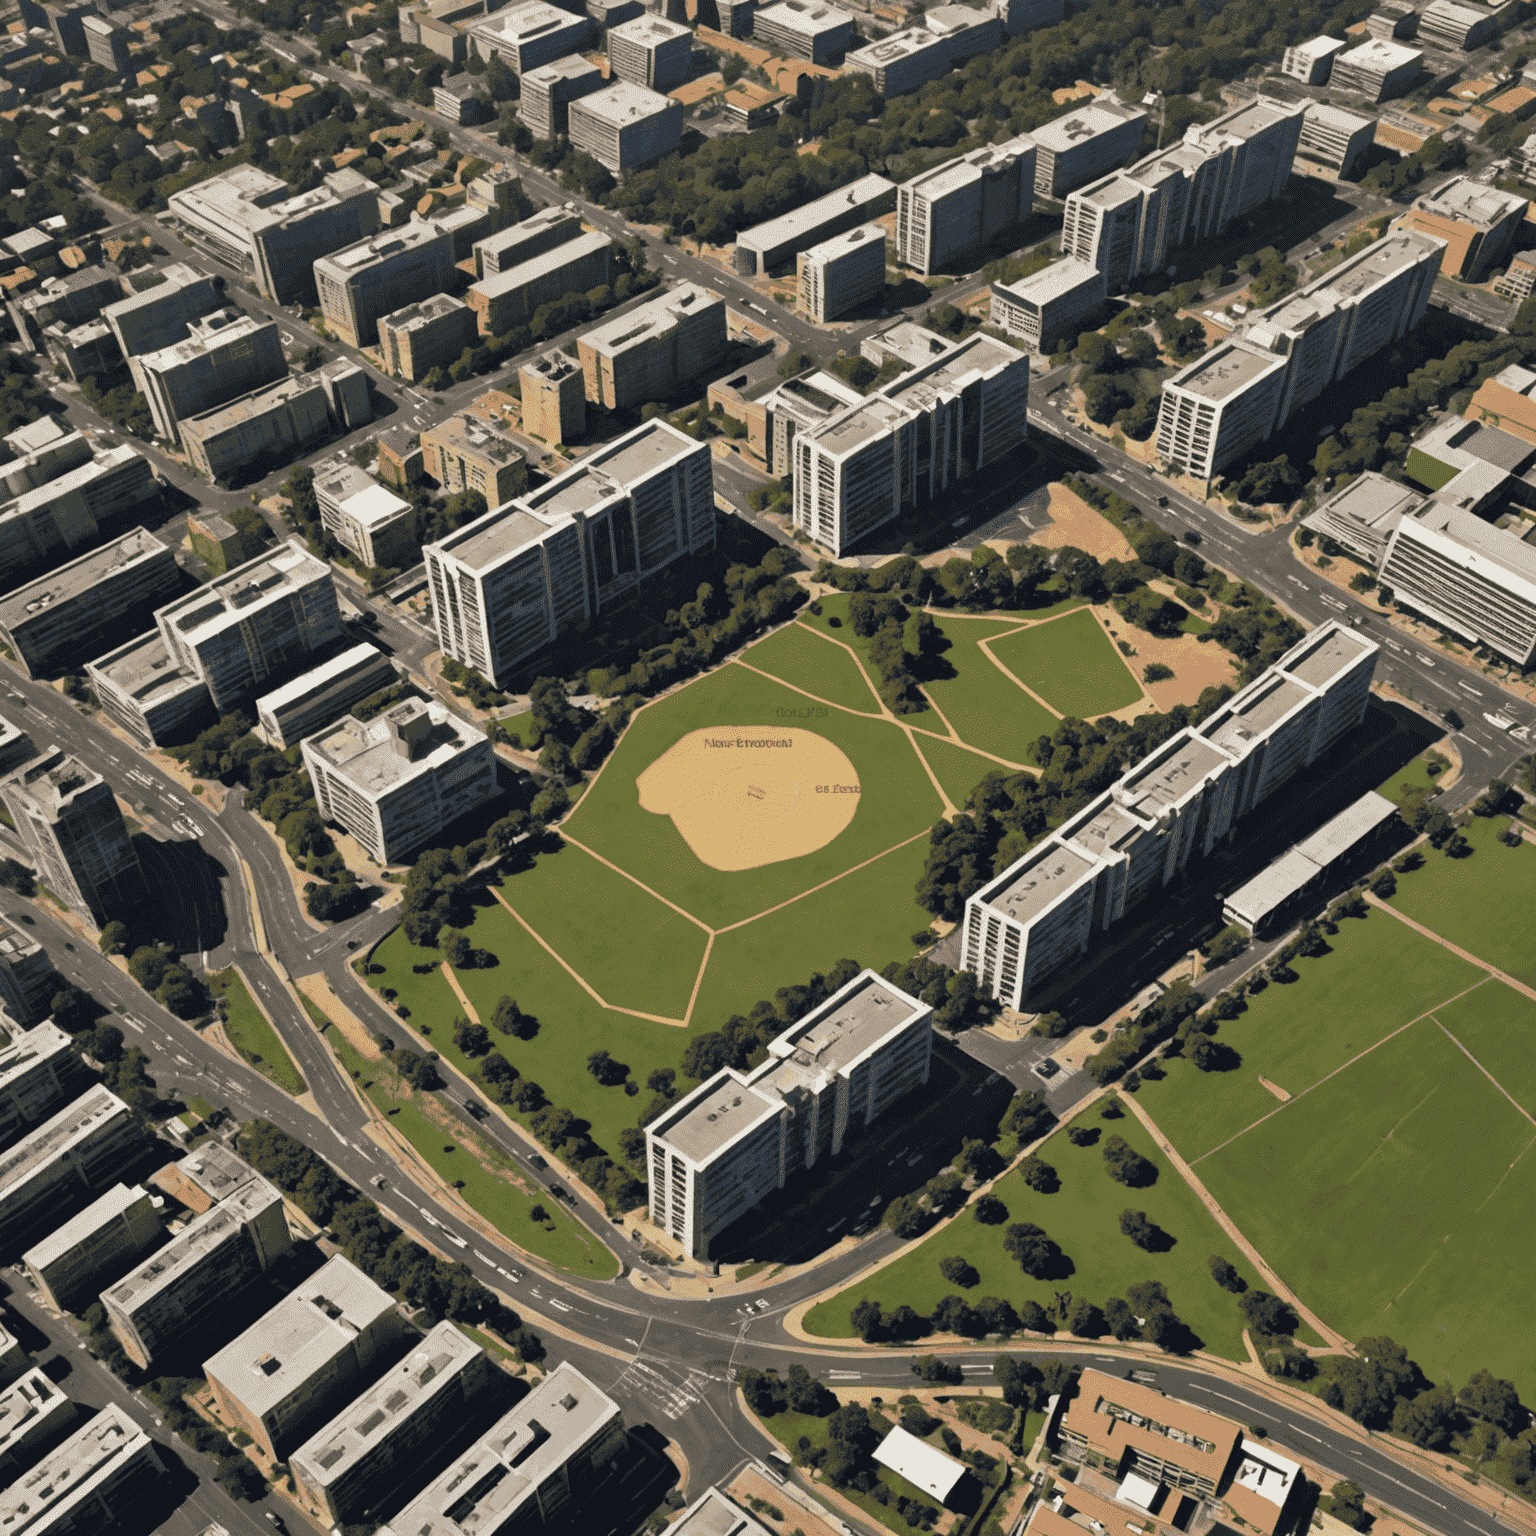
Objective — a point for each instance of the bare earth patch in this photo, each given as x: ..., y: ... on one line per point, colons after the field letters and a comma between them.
x: 1196, y: 667
x: 1275, y: 1089
x: 1074, y: 522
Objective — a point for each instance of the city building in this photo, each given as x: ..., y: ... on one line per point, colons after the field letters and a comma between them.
x: 1507, y: 401
x: 375, y: 524
x: 158, y: 315
x: 1073, y: 150
x: 650, y: 51
x: 551, y: 1452
x: 1045, y: 912
x: 1362, y: 515
x: 432, y: 333
x: 69, y: 299
x: 360, y: 283
x: 224, y: 355
x: 804, y: 29
x: 13, y: 1358
x: 1334, y: 137
x: 543, y: 231
x: 66, y: 22
x: 90, y: 1483
x: 924, y: 1466
x: 359, y: 1460
x: 1519, y: 282
x: 462, y: 98
x: 67, y: 616
x: 39, y: 1075
x: 554, y: 398
x: 464, y: 453
x: 28, y: 981
x: 140, y: 686
x: 526, y: 35
x: 33, y: 1411
x: 72, y: 1264
x: 946, y: 37
x: 654, y: 351
x: 953, y: 210
x: 63, y: 1163
x: 764, y: 247
x: 1284, y: 356
x: 933, y: 427
x: 1311, y: 62
x: 220, y: 544
x: 399, y: 457
x: 1270, y: 901
x: 394, y: 782
x: 739, y: 1137
x: 842, y: 273
x: 182, y: 1289
x: 713, y: 1514
x: 499, y: 302
x: 66, y: 817
x: 442, y: 26
x: 16, y: 746
x: 504, y: 585
x: 625, y: 126
x: 1051, y: 306
x: 42, y: 450
x: 1478, y: 224
x: 736, y: 17
x: 549, y: 90
x: 294, y: 1367
x: 1446, y: 24
x: 254, y: 222
x: 106, y: 45
x: 204, y: 1177
x: 794, y: 406
x: 1378, y: 69
x: 314, y: 699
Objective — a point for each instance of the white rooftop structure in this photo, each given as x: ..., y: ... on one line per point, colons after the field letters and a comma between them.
x: 923, y: 1465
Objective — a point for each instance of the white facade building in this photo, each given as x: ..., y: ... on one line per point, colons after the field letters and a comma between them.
x: 1312, y: 62
x: 953, y: 210
x: 842, y: 273
x: 626, y: 125
x: 804, y: 29
x: 1073, y: 150
x: 1052, y: 305
x: 1378, y: 69
x: 650, y: 51
x: 1334, y: 137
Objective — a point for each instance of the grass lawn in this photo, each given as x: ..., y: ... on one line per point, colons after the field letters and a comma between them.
x: 1083, y: 1218
x: 1072, y: 664
x: 1395, y: 1199
x: 898, y: 799
x: 1478, y: 902
x: 833, y: 621
x: 828, y: 671
x: 252, y: 1036
x: 1411, y: 779
x: 1193, y: 625
x: 957, y: 768
x: 1294, y: 1035
x: 1498, y: 1026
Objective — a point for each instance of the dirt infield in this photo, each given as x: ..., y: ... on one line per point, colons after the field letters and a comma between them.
x: 746, y: 795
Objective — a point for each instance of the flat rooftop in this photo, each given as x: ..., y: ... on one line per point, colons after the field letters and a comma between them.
x: 975, y: 356
x: 650, y: 30
x: 1379, y: 54
x: 496, y: 536
x: 1226, y: 370
x: 63, y: 1476
x: 810, y: 19
x: 1115, y: 190
x: 144, y: 670
x: 952, y: 175
x: 1099, y: 117
x: 1257, y: 709
x: 1483, y: 541
x: 224, y: 600
x: 905, y: 44
x: 317, y: 679
x: 23, y: 1404
x: 516, y: 234
x: 623, y: 102
x: 726, y: 1107
x: 572, y: 67
x: 215, y: 1170
x: 74, y: 1123
x: 1320, y: 47
x: 101, y: 1212
x: 344, y: 265
x: 225, y: 418
x: 863, y: 237
x: 1057, y: 281
x: 835, y: 1036
x: 800, y: 222
x: 175, y: 278
x: 1326, y: 653
x: 711, y: 1514
x: 1244, y: 122
x: 860, y: 425
x: 31, y: 1046
x: 494, y: 284
x: 1040, y: 878
x: 653, y: 318
x: 1472, y: 203
x: 528, y: 21
x: 471, y: 436
x: 208, y: 339
x: 422, y: 313
x: 611, y: 471
x: 374, y: 759
x: 1111, y: 1409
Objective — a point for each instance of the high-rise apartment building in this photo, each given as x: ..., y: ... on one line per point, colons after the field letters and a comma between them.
x: 314, y: 699
x: 39, y: 1075
x: 1464, y: 28
x: 161, y: 314
x: 1334, y: 137
x: 517, y: 243
x: 554, y: 398
x: 499, y: 302
x: 28, y: 981
x: 739, y: 1137
x: 1087, y: 143
x: 842, y: 273
x: 765, y: 247
x: 506, y: 584
x: 549, y: 90
x: 624, y: 126
x: 90, y: 1250
x: 105, y: 44
x: 1048, y: 908
x: 33, y: 1411
x: 224, y: 355
x: 360, y: 283
x: 650, y: 51
x: 653, y: 351
x: 944, y: 39
x: 432, y: 333
x: 1051, y: 306
x: 804, y: 29
x: 953, y: 210
x: 1312, y: 62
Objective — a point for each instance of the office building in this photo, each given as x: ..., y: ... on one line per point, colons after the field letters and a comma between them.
x: 1393, y: 19
x: 1478, y: 225
x: 66, y: 22
x: 62, y: 1164
x: 106, y: 45
x: 16, y: 746
x: 543, y: 231
x: 225, y: 354
x: 501, y: 301
x: 360, y: 1459
x: 526, y: 35
x: 62, y: 619
x: 1335, y: 138
x: 1050, y: 307
x: 650, y: 51
x: 70, y: 299
x: 1378, y: 69
x: 804, y: 29
x: 1045, y: 912
x: 39, y: 1075
x: 554, y: 398
x: 764, y: 247
x: 1283, y: 357
x: 89, y: 1484
x: 1362, y: 516
x: 140, y: 687
x: 161, y: 314
x: 933, y: 427
x: 945, y: 38
x: 1507, y: 401
x: 28, y: 981
x: 72, y: 1264
x: 545, y: 1456
x: 842, y: 273
x: 462, y: 98
x: 314, y: 699
x: 656, y: 350
x: 290, y: 1371
x: 1445, y: 24
x: 1519, y: 281
x: 171, y: 1298
x: 504, y: 585
x: 951, y: 212
x: 430, y: 334
x: 204, y: 1177
x: 464, y: 453
x: 360, y: 283
x: 13, y: 1358
x: 220, y: 544
x: 254, y: 222
x: 625, y: 126
x: 1312, y: 62
x: 442, y: 26
x: 735, y: 17
x: 394, y: 782
x: 739, y: 1137
x: 33, y: 1412
x: 374, y: 524
x: 66, y: 817
x: 1087, y: 143
x: 549, y: 90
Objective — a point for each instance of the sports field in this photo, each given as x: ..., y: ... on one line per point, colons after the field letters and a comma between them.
x: 1072, y: 664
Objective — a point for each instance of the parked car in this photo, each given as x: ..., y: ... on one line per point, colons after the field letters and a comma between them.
x: 1046, y: 1068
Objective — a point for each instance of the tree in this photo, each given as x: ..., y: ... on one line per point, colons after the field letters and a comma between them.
x: 114, y: 939
x: 953, y: 1315
x: 511, y: 1020
x: 1017, y: 1378
x: 1039, y: 1175
x: 606, y: 1070
x: 1493, y: 1400
x: 1126, y: 1165
x: 1346, y: 1502
x: 806, y: 1394
x: 867, y: 1321
x: 1268, y: 1314
x: 1086, y: 1321
x: 763, y: 1390
x: 1120, y: 1320
x: 905, y: 1216
x: 932, y: 1369
x: 958, y: 1271
x: 1142, y: 1231
x: 1430, y: 1419
x: 1225, y: 1274
x: 990, y: 1211
x: 1051, y: 1026
x: 1034, y: 1251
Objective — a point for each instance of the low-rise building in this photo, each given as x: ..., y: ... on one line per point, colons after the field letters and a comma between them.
x: 1479, y: 225
x: 712, y: 1514
x: 737, y: 1138
x: 924, y: 1466
x: 466, y: 453
x: 28, y: 981
x: 462, y: 98
x: 1507, y: 401
x: 765, y: 247
x: 945, y: 38
x: 521, y: 242
x: 655, y: 350
x: 499, y: 302
x: 650, y: 51
x: 1311, y: 62
x: 625, y: 126
x: 1073, y: 150
x: 1050, y: 306
x: 432, y: 333
x: 524, y: 36
x: 317, y: 698
x: 1378, y: 69
x: 72, y: 1264
x: 952, y: 211
x: 554, y: 398
x: 549, y: 90
x: 39, y: 1075
x: 374, y: 524
x: 33, y: 1411
x: 1362, y: 516
x: 1519, y: 281
x: 394, y: 782
x: 840, y: 274
x: 804, y: 29
x: 291, y: 1369
x: 1334, y: 137
x: 1461, y: 27
x: 358, y: 1460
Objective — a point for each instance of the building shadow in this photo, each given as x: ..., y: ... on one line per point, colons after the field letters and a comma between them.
x: 186, y: 909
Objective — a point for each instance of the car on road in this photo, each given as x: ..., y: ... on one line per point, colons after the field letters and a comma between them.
x: 1046, y: 1068
x: 377, y: 1181
x: 560, y: 1192
x: 471, y: 1108
x: 537, y: 1161
x: 277, y: 1520
x: 762, y: 1304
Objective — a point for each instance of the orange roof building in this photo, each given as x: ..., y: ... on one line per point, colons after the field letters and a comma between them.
x: 1477, y: 223
x: 1507, y: 401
